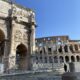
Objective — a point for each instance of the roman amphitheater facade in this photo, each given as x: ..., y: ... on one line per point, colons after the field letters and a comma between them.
x: 17, y: 36
x: 57, y: 51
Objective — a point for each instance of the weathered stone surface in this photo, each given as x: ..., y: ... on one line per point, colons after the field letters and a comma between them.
x: 74, y: 67
x: 57, y: 49
x: 31, y: 76
x: 17, y: 36
x: 57, y: 68
x: 71, y: 76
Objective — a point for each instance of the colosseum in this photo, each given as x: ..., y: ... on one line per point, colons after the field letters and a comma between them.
x: 57, y: 50
x: 24, y: 57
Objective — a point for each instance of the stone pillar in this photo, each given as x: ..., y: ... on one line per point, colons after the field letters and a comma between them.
x: 58, y: 59
x: 32, y: 39
x: 75, y: 58
x: 53, y: 49
x: 39, y: 55
x: 5, y: 57
x: 68, y: 48
x: 69, y: 58
x: 46, y: 53
x: 62, y: 47
x: 73, y: 48
x: 57, y: 47
x: 43, y: 55
x: 32, y: 44
x: 78, y: 47
x: 12, y: 55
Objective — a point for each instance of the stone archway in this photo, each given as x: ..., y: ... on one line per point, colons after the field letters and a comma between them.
x: 77, y: 58
x: 61, y: 59
x: 2, y: 44
x: 22, y: 61
x: 72, y: 59
x: 65, y: 67
x: 67, y: 59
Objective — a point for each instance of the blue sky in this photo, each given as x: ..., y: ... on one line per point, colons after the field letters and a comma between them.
x: 56, y: 17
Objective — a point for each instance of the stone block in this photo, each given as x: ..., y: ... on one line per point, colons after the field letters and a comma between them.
x: 74, y: 67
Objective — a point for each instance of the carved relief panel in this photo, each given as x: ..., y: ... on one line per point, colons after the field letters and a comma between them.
x: 25, y: 37
x: 21, y: 37
x: 18, y: 36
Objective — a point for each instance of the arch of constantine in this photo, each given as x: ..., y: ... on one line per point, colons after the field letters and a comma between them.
x: 17, y: 36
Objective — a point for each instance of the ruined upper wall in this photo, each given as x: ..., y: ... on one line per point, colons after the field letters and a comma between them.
x: 74, y: 41
x: 53, y: 38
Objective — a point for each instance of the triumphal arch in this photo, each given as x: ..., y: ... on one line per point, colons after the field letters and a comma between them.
x: 17, y: 36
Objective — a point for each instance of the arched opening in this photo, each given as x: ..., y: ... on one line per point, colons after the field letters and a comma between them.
x: 71, y: 48
x: 66, y: 48
x: 60, y: 49
x: 65, y: 67
x: 50, y: 59
x: 36, y: 59
x: 45, y: 59
x: 22, y: 57
x: 2, y: 44
x: 77, y: 58
x: 76, y: 47
x: 61, y: 59
x: 66, y: 58
x: 44, y: 50
x: 40, y: 52
x: 72, y: 59
x: 55, y: 59
x: 41, y: 59
x: 49, y: 50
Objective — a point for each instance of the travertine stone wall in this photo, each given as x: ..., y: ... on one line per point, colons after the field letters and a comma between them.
x: 18, y: 25
x: 57, y: 49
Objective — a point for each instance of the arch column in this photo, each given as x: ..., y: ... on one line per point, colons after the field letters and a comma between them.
x: 73, y: 48
x: 68, y: 46
x: 75, y: 58
x: 62, y: 47
x: 69, y: 58
x: 43, y: 53
x: 32, y: 40
x: 78, y: 47
x: 12, y: 51
x: 32, y: 44
x: 47, y: 55
x: 57, y: 47
x: 5, y: 56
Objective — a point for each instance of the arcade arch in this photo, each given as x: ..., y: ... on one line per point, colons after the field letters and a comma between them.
x: 22, y: 57
x: 2, y: 45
